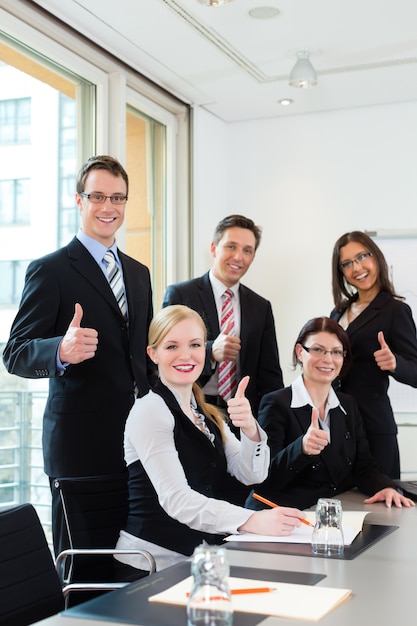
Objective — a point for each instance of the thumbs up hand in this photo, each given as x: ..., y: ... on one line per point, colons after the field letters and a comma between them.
x: 226, y: 346
x: 78, y: 344
x: 315, y: 439
x: 240, y: 412
x: 384, y: 358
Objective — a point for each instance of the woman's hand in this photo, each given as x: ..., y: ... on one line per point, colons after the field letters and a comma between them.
x: 280, y: 521
x: 240, y: 412
x: 390, y: 496
x: 315, y: 439
x: 384, y: 358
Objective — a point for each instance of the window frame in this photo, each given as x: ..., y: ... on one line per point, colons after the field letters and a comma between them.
x: 116, y: 87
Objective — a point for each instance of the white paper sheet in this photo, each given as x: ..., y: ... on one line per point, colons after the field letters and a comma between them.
x: 306, y: 602
x: 352, y: 525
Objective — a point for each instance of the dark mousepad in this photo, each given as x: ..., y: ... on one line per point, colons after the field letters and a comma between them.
x: 370, y: 534
x: 130, y: 604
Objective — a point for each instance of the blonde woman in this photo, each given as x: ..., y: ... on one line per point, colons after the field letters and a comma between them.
x: 181, y: 454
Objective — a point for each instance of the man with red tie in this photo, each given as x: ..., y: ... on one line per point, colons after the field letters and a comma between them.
x: 240, y: 323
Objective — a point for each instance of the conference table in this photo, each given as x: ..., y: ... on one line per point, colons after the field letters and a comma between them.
x: 382, y: 577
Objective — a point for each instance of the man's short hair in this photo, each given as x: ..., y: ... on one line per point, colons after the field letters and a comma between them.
x: 102, y: 162
x: 239, y: 221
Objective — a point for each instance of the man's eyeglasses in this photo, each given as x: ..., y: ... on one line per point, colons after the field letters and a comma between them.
x: 98, y: 198
x: 347, y: 265
x: 315, y: 351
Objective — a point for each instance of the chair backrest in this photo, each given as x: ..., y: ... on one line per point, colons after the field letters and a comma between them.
x: 95, y: 510
x: 30, y: 589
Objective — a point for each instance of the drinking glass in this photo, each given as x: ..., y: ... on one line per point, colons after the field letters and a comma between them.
x: 327, y: 538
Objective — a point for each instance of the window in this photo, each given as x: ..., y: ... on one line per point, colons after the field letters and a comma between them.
x: 12, y: 281
x: 67, y: 163
x: 146, y: 164
x: 15, y: 121
x: 39, y: 143
x: 15, y: 201
x: 73, y: 105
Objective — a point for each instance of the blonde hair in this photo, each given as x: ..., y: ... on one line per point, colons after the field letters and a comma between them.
x: 160, y: 326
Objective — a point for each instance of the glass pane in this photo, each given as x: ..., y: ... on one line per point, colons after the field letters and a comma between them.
x: 145, y: 212
x: 40, y: 130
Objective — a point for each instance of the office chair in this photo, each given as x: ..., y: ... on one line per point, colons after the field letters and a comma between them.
x: 95, y: 510
x: 30, y: 587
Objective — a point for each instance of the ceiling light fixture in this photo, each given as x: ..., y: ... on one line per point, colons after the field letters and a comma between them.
x: 264, y: 13
x: 303, y: 74
x: 214, y: 3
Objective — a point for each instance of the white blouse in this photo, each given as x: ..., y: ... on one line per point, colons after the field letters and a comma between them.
x: 149, y: 437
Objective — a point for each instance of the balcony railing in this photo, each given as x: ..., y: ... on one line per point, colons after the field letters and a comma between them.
x: 22, y: 478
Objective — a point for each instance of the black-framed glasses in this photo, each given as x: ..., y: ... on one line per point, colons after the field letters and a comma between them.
x: 347, y: 265
x: 99, y: 198
x: 316, y: 351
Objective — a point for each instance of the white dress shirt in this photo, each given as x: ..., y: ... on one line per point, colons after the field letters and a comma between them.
x: 149, y: 437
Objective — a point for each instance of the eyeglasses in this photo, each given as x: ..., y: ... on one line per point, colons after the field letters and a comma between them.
x: 347, y: 265
x: 315, y: 351
x: 98, y: 198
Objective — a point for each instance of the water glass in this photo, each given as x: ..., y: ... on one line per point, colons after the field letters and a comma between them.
x: 327, y: 538
x: 210, y: 602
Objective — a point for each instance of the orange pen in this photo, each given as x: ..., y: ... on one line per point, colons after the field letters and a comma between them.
x: 252, y: 590
x: 275, y: 506
x: 236, y: 592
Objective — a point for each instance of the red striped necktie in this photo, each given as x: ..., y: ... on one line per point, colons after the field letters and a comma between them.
x: 227, y: 369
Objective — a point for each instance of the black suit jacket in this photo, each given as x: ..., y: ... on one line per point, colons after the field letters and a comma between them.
x: 87, y: 406
x: 299, y: 480
x: 364, y: 380
x: 259, y: 351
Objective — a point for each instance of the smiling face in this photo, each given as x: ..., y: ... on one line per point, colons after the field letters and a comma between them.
x: 181, y: 354
x: 363, y: 275
x: 233, y: 255
x: 101, y: 221
x: 320, y: 369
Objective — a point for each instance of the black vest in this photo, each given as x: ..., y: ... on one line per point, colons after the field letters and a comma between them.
x: 206, y: 470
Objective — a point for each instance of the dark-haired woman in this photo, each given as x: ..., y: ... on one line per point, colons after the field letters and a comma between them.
x: 318, y: 444
x: 382, y: 335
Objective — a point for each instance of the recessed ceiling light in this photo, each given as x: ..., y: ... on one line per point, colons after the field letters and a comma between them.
x: 264, y: 13
x: 285, y: 102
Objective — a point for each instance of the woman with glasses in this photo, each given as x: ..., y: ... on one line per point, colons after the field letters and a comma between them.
x: 316, y: 435
x: 382, y: 335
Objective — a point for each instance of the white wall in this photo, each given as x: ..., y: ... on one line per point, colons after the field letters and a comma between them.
x: 211, y: 183
x: 306, y: 180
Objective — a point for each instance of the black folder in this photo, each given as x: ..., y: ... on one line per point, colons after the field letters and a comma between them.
x: 130, y: 605
x: 370, y: 534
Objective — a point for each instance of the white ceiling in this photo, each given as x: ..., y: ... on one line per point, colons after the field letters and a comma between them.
x: 237, y: 67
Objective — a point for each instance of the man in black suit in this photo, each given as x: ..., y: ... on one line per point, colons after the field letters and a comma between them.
x: 252, y: 344
x: 70, y: 329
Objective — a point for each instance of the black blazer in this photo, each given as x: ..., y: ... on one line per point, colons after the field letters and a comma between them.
x: 364, y: 380
x: 87, y: 406
x: 299, y: 480
x: 259, y: 351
